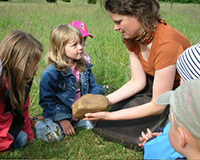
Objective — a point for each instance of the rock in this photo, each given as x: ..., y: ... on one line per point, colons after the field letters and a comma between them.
x: 89, y: 103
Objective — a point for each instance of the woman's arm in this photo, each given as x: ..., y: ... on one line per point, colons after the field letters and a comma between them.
x: 163, y: 81
x: 54, y: 96
x: 135, y: 85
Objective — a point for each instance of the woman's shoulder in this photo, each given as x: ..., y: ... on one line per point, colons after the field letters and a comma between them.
x: 168, y: 33
x: 167, y: 37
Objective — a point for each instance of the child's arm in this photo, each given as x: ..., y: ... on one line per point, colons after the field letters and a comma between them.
x: 94, y: 88
x: 54, y: 96
x: 27, y: 125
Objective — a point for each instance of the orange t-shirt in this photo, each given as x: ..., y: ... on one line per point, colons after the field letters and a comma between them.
x: 167, y: 45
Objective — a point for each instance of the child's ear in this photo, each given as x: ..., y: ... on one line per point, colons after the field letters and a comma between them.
x: 183, y: 137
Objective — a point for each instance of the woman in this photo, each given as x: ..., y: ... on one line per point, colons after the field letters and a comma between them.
x: 154, y: 47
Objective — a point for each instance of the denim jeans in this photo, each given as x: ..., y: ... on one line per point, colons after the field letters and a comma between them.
x: 84, y: 124
x: 50, y: 131
x: 20, y: 140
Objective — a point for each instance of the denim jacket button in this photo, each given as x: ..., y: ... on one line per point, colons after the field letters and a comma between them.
x: 64, y: 86
x: 85, y: 84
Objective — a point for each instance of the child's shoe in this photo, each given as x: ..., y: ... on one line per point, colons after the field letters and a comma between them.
x: 48, y: 131
x: 35, y: 119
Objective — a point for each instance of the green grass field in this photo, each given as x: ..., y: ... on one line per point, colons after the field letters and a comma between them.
x: 108, y: 54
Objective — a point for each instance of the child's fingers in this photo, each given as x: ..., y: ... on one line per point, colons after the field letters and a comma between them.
x: 143, y: 142
x: 156, y: 134
x: 70, y: 131
x: 141, y: 145
x: 144, y: 136
x: 32, y: 140
x: 149, y: 132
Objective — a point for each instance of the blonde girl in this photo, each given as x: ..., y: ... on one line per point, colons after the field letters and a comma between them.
x: 67, y: 77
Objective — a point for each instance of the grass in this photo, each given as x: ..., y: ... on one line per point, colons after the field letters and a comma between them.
x: 108, y: 54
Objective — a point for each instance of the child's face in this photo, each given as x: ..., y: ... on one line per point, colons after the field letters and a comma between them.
x: 30, y: 72
x: 181, y: 81
x: 173, y: 136
x: 74, y: 49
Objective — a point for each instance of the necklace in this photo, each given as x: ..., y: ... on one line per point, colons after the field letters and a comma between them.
x: 147, y: 37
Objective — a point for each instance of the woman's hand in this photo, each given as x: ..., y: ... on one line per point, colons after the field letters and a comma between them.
x: 68, y: 129
x: 145, y: 137
x: 97, y: 116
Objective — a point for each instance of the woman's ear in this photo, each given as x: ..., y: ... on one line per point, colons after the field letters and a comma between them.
x: 183, y: 136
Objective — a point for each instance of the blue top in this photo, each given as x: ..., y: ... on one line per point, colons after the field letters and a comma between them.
x: 160, y: 147
x: 58, y: 90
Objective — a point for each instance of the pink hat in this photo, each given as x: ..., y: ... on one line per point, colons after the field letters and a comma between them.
x: 82, y: 28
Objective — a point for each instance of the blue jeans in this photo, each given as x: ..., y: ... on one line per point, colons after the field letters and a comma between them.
x: 84, y: 124
x: 50, y: 131
x: 20, y: 141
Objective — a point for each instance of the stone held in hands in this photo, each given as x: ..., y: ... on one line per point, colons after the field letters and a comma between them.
x: 89, y: 103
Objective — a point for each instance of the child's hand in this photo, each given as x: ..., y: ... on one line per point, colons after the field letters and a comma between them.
x: 68, y: 129
x: 145, y: 137
x: 32, y: 140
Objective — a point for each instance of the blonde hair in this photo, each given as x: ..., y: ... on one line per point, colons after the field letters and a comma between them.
x: 174, y: 120
x: 20, y: 52
x: 59, y: 37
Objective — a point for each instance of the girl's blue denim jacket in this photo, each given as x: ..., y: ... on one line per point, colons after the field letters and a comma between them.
x: 58, y: 89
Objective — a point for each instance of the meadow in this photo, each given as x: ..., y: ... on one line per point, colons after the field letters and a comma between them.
x: 108, y: 54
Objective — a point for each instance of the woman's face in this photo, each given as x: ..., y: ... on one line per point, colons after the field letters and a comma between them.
x: 129, y: 26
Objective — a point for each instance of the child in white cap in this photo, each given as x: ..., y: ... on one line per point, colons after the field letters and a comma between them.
x: 184, y: 135
x: 188, y: 67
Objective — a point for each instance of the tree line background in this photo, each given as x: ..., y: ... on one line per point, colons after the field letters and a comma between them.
x: 181, y: 1
x: 101, y: 1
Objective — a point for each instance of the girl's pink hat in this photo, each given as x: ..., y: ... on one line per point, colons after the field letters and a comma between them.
x: 82, y: 28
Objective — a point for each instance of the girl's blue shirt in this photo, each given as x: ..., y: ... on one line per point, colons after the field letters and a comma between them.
x: 58, y: 90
